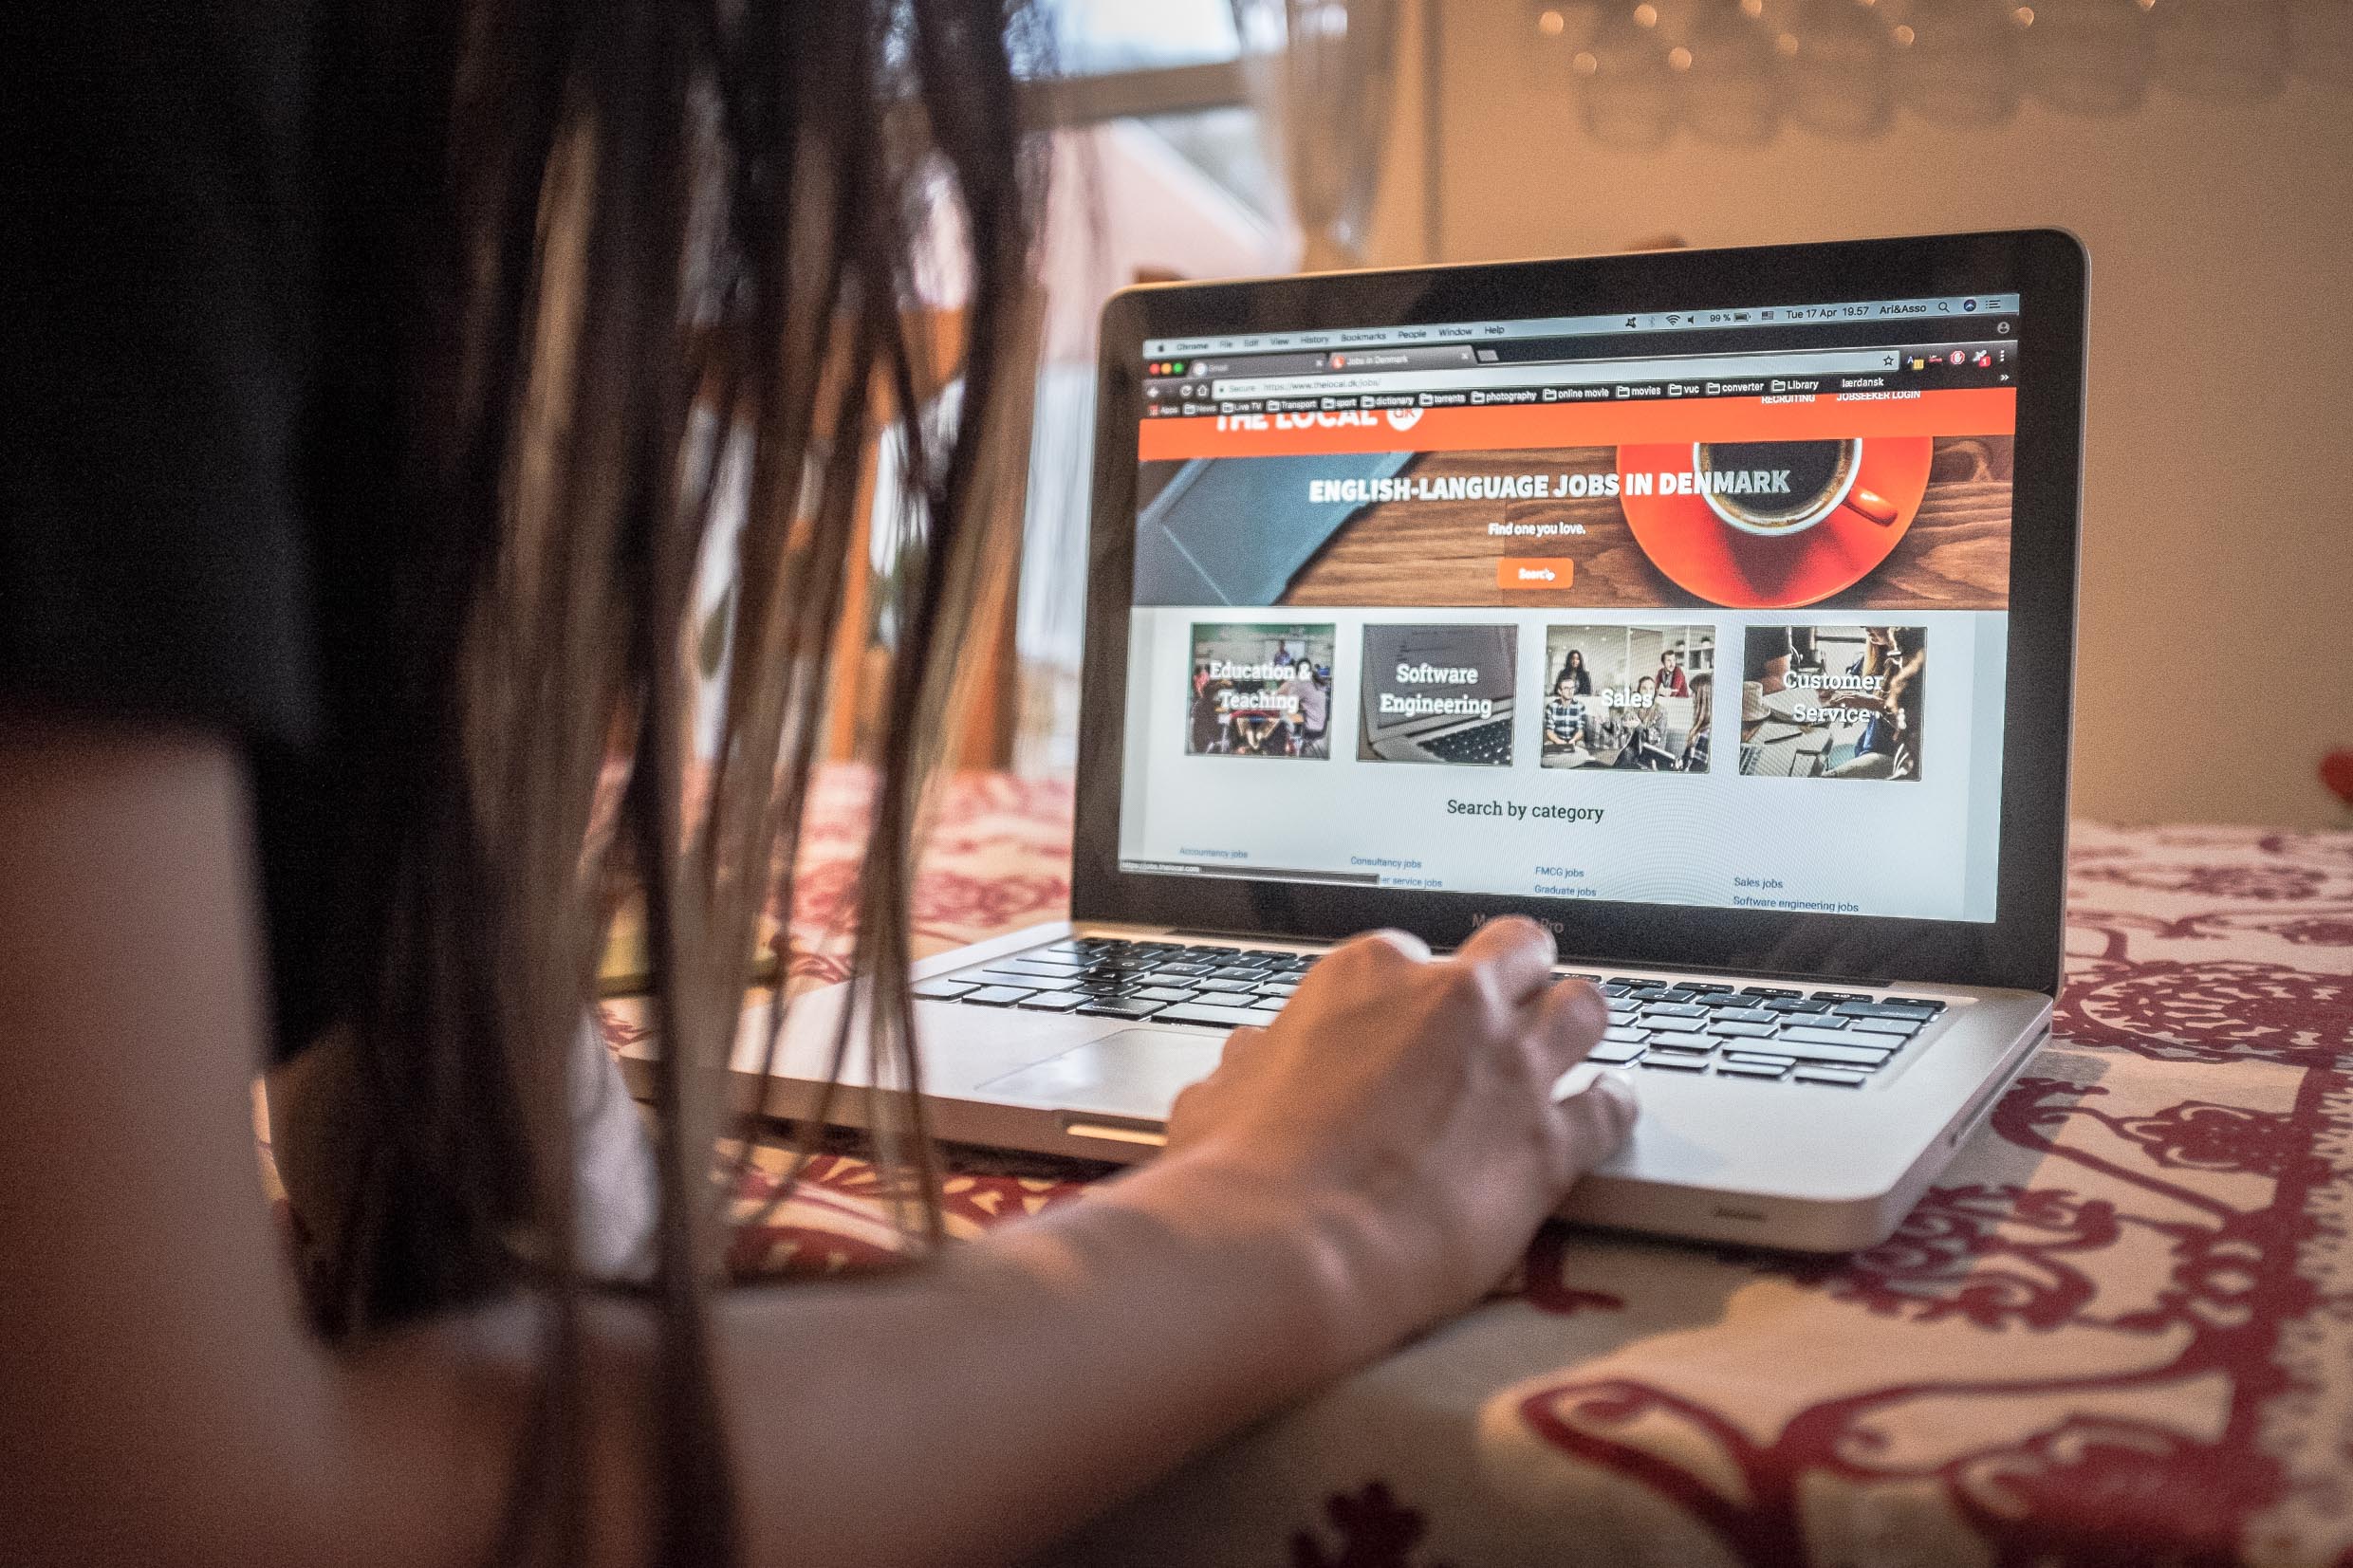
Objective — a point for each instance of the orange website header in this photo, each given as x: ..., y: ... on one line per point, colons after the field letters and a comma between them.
x: 1972, y: 411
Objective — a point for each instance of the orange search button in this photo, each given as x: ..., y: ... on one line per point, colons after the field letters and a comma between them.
x: 1534, y: 572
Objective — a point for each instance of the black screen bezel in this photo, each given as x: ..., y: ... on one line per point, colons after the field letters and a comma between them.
x: 2020, y: 948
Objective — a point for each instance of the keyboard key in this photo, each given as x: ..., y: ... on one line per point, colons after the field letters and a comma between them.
x: 1728, y: 1028
x: 1161, y: 993
x: 1673, y: 1026
x: 1210, y: 947
x: 1823, y: 1050
x: 1684, y: 1062
x: 1573, y: 974
x: 1685, y: 1044
x: 1180, y: 970
x: 1813, y: 1021
x: 1119, y: 1006
x: 1268, y: 955
x: 1203, y: 1013
x: 943, y: 990
x: 1673, y: 1009
x: 1269, y: 1004
x: 1276, y: 988
x: 1625, y: 1037
x: 1829, y: 1075
x: 1929, y: 1001
x: 1615, y: 987
x: 1725, y: 1001
x: 1745, y: 1015
x: 1797, y: 1004
x: 1900, y: 1028
x: 1212, y: 983
x: 1748, y: 1069
x: 1028, y: 982
x: 1052, y: 1002
x: 1066, y: 950
x: 1613, y: 1052
x: 996, y: 996
x: 1841, y: 996
x: 1883, y: 1009
x: 1771, y: 991
x: 1768, y: 1058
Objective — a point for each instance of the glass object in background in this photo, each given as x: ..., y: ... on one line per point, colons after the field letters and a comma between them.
x: 1731, y: 86
x: 1227, y: 146
x: 1321, y: 74
x: 1957, y: 63
x: 2222, y: 51
x: 1184, y: 195
x: 1840, y: 83
x: 1097, y: 37
x: 1640, y: 70
x: 2087, y: 57
x: 1628, y: 95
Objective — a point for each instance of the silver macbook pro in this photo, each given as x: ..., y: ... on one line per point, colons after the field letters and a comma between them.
x: 1714, y: 608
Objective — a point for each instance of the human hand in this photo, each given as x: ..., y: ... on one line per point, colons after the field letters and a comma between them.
x: 1404, y: 1104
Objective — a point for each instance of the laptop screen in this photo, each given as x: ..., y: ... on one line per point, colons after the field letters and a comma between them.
x: 1697, y: 608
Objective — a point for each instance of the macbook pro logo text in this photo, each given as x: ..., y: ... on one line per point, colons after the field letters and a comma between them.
x: 1558, y: 928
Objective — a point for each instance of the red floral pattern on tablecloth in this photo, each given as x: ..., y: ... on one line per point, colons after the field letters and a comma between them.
x: 2119, y: 1331
x: 2135, y: 1346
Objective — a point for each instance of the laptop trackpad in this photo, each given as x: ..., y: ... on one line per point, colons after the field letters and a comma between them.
x: 1134, y: 1073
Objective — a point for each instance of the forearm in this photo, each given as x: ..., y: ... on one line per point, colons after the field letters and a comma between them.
x: 975, y: 1411
x: 966, y: 1411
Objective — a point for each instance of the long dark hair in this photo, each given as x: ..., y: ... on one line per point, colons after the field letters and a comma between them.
x: 559, y: 230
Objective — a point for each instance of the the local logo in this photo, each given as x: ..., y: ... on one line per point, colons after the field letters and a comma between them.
x: 1404, y: 418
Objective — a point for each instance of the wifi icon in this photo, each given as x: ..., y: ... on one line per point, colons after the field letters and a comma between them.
x: 1672, y: 320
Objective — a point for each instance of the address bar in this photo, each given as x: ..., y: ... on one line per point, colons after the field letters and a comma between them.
x: 1737, y: 368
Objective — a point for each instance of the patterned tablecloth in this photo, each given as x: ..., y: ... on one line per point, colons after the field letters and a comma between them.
x: 2120, y: 1331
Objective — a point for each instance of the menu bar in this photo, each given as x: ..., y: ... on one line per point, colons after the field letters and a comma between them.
x: 1948, y: 307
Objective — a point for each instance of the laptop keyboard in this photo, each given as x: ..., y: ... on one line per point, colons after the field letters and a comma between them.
x: 1487, y: 745
x: 1832, y: 1038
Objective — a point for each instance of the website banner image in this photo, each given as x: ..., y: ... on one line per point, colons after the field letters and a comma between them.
x: 1540, y: 610
x: 1896, y: 518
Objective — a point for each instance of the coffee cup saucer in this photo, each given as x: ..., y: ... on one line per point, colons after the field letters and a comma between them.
x: 1704, y: 555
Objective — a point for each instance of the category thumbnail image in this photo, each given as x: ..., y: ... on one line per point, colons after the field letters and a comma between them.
x: 1832, y: 702
x: 1634, y: 697
x: 1438, y: 695
x: 1261, y: 691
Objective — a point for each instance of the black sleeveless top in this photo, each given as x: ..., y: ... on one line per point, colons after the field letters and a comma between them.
x: 192, y: 418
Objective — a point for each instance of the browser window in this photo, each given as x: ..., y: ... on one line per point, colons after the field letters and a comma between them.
x: 1703, y: 608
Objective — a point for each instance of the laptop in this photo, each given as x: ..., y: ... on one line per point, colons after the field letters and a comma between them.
x: 1827, y: 918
